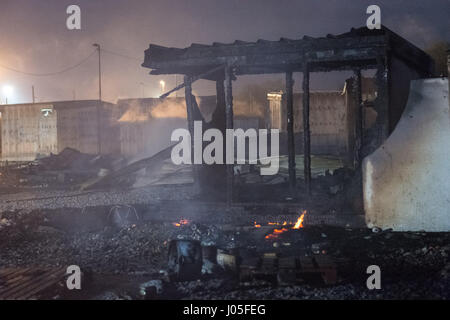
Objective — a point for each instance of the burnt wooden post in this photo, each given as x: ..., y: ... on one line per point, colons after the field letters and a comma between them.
x: 359, y: 119
x: 306, y: 130
x: 229, y: 125
x: 218, y: 120
x: 448, y: 72
x: 190, y: 119
x: 381, y: 103
x: 290, y: 128
x: 219, y: 114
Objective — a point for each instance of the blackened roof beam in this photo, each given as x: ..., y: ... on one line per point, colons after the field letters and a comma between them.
x: 357, y: 48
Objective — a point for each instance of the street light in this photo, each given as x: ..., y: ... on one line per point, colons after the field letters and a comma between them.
x: 8, y: 91
x: 162, y: 84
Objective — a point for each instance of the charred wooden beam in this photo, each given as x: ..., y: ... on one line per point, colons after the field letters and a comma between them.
x: 190, y: 119
x: 212, y: 173
x: 266, y: 53
x: 306, y: 130
x: 152, y: 164
x: 381, y: 103
x: 218, y: 117
x: 249, y: 69
x: 359, y: 118
x: 354, y: 49
x: 189, y: 107
x: 229, y: 125
x: 448, y: 72
x: 192, y: 79
x: 217, y: 172
x: 290, y: 128
x: 273, y: 63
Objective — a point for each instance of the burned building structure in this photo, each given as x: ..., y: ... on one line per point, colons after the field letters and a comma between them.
x: 395, y: 61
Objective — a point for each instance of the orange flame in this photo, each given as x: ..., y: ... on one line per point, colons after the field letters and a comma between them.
x: 299, y: 223
x: 277, y: 232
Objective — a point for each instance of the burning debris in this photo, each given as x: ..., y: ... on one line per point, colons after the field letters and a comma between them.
x: 285, y: 226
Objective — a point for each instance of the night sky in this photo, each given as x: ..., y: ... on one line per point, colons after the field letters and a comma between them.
x: 34, y: 37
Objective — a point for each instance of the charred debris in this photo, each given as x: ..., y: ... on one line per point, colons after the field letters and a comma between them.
x: 147, y: 229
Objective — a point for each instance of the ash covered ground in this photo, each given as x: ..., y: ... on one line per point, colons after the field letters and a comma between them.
x: 118, y: 261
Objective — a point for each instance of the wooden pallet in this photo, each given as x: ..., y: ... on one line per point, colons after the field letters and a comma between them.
x: 28, y: 283
x: 288, y: 270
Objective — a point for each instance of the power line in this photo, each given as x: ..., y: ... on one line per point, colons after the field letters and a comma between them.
x: 69, y: 68
x: 121, y: 55
x: 50, y: 73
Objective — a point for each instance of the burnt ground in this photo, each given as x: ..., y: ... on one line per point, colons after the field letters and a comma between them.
x: 117, y: 257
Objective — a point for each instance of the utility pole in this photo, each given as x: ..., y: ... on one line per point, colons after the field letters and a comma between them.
x: 32, y: 94
x: 99, y: 72
x: 99, y: 140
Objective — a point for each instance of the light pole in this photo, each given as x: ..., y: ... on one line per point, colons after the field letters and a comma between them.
x: 162, y: 85
x: 99, y: 140
x: 99, y: 72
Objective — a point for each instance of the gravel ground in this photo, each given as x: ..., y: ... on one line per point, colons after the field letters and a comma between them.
x: 54, y: 199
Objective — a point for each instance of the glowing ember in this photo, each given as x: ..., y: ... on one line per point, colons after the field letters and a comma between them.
x: 276, y: 233
x: 299, y: 223
x: 180, y: 223
x: 277, y: 223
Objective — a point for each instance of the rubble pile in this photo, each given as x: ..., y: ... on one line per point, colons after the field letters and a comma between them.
x: 67, y: 169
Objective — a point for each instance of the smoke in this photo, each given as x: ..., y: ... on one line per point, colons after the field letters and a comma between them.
x: 170, y: 109
x: 417, y: 30
x: 173, y: 108
x: 249, y: 108
x: 135, y: 113
x: 251, y: 99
